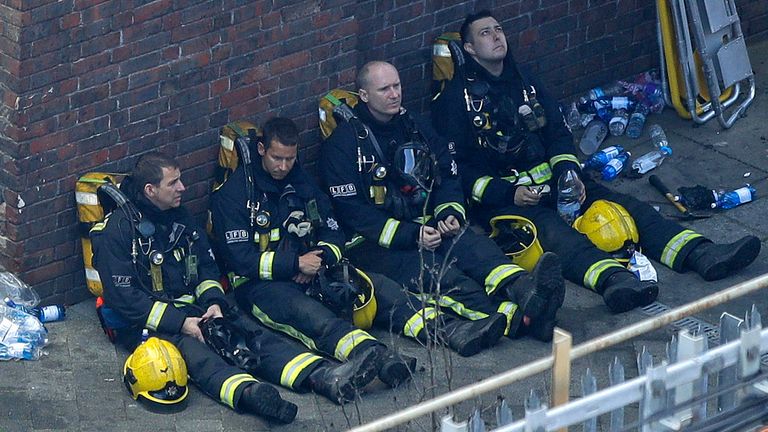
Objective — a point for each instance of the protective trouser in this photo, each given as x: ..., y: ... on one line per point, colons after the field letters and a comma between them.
x: 661, y: 239
x: 283, y: 306
x: 458, y: 292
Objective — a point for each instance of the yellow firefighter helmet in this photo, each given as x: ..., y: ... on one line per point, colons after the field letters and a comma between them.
x: 518, y: 238
x: 155, y: 373
x: 608, y: 225
x: 365, y: 307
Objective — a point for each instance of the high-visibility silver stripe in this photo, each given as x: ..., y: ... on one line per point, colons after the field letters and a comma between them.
x: 86, y: 198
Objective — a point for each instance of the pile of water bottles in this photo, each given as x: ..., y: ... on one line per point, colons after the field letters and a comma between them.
x: 611, y: 161
x: 22, y: 333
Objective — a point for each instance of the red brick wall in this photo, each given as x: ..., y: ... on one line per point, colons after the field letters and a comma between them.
x: 91, y: 84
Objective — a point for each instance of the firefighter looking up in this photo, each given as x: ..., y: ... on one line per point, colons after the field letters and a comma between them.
x: 508, y: 135
x: 395, y: 186
x: 159, y: 274
x: 276, y: 235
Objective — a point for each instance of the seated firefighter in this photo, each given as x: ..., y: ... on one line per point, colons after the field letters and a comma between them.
x: 393, y: 183
x: 510, y: 139
x: 282, y: 248
x: 159, y: 274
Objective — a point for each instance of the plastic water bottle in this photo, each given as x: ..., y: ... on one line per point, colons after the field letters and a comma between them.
x: 637, y: 121
x: 573, y: 117
x: 729, y: 200
x: 654, y: 96
x: 614, y: 167
x: 569, y: 190
x: 658, y: 137
x: 22, y: 336
x: 144, y: 335
x: 601, y: 158
x: 595, y: 133
x: 44, y: 314
x: 650, y: 160
x: 619, y: 122
x: 614, y: 89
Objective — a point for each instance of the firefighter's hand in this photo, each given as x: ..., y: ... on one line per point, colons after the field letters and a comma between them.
x: 583, y: 195
x: 214, y: 311
x: 526, y: 196
x: 302, y: 279
x: 449, y: 226
x: 310, y: 262
x: 429, y: 238
x: 191, y: 327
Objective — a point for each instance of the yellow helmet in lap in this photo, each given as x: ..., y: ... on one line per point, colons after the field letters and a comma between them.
x: 608, y: 225
x: 156, y: 373
x: 518, y: 238
x: 365, y: 306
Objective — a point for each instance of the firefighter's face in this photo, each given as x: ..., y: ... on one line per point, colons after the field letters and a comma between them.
x: 382, y: 92
x: 487, y: 42
x: 278, y: 159
x: 166, y: 194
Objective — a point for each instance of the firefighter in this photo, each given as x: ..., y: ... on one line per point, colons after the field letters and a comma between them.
x: 394, y: 185
x: 159, y: 274
x: 510, y: 140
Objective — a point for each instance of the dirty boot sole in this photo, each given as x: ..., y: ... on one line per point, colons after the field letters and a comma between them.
x: 361, y: 371
x: 549, y: 286
x: 396, y: 369
x: 265, y: 401
x: 624, y: 297
x: 739, y: 256
x: 483, y: 334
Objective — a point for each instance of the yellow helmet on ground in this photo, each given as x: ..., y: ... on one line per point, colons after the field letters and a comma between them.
x: 365, y: 307
x: 156, y: 374
x: 518, y: 238
x: 608, y: 225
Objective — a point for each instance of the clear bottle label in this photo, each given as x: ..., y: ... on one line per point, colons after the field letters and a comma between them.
x: 744, y: 194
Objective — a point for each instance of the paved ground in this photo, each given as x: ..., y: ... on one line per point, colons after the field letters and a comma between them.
x: 77, y: 385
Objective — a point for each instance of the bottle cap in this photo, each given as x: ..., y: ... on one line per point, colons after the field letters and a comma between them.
x: 666, y: 150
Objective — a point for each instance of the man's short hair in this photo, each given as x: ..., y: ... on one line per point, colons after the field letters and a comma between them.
x: 466, y: 35
x: 282, y: 130
x: 149, y: 168
x: 361, y: 80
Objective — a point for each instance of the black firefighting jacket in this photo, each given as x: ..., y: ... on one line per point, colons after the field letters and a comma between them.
x: 264, y: 249
x: 490, y: 177
x: 348, y: 173
x: 128, y: 287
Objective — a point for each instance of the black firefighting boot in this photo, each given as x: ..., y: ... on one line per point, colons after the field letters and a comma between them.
x: 341, y: 382
x: 542, y: 328
x: 715, y: 261
x: 264, y: 400
x: 468, y: 338
x: 392, y: 368
x: 538, y: 292
x: 623, y: 291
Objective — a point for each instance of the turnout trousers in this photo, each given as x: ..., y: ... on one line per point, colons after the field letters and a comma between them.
x: 661, y: 239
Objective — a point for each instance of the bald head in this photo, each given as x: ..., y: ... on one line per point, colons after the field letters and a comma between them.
x: 379, y: 86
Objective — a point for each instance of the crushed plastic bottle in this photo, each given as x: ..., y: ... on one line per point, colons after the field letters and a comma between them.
x: 658, y: 136
x: 594, y: 134
x: 614, y: 167
x: 650, y: 160
x: 601, y: 158
x: 573, y: 117
x: 569, y: 190
x: 618, y: 123
x: 728, y: 200
x: 18, y: 291
x: 44, y: 314
x: 637, y: 121
x: 22, y: 336
x: 614, y: 89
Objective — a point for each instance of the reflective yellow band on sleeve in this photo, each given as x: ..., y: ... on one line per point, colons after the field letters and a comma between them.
x: 499, y: 275
x: 336, y: 250
x: 508, y: 309
x: 459, y: 308
x: 274, y: 234
x: 206, y: 285
x: 416, y: 323
x: 541, y: 173
x: 155, y: 315
x: 453, y: 205
x: 295, y: 367
x: 563, y: 157
x: 349, y: 341
x: 478, y: 189
x: 595, y: 270
x: 675, y: 245
x: 265, y: 265
x: 186, y: 298
x: 230, y: 385
x: 235, y: 280
x: 388, y: 232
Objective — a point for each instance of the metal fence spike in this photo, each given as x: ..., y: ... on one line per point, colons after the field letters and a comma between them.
x: 754, y: 319
x: 476, y: 423
x: 588, y: 387
x: 503, y: 412
x: 616, y: 377
x: 644, y: 361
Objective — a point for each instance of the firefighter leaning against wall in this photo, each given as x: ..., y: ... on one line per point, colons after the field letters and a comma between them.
x: 159, y: 274
x: 508, y: 134
x: 394, y: 185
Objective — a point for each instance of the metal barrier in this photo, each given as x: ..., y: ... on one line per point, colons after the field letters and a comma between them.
x: 655, y: 396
